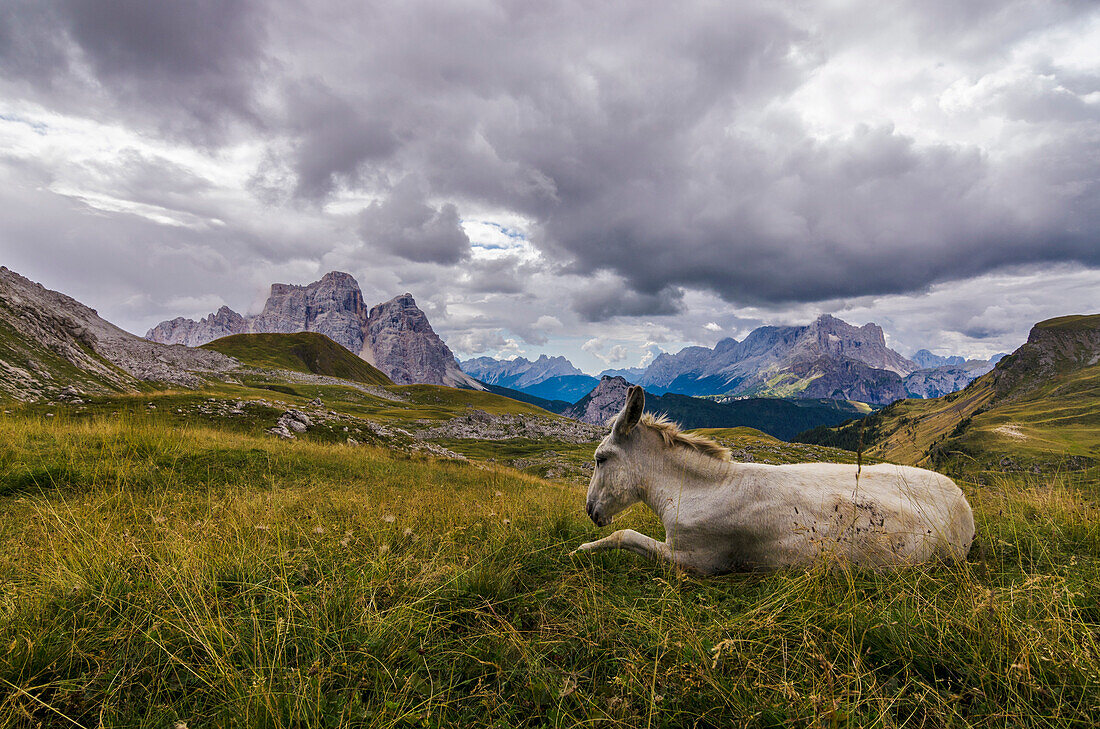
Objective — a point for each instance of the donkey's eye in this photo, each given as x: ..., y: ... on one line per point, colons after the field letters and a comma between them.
x: 601, y: 459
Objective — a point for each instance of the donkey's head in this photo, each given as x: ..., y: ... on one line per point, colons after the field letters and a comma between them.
x: 616, y: 480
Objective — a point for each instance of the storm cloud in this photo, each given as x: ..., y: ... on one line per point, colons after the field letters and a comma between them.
x: 644, y: 157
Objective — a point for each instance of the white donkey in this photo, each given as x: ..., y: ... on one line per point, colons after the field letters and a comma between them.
x: 720, y: 516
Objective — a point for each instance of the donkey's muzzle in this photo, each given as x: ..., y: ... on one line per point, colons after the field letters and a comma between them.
x: 598, y: 520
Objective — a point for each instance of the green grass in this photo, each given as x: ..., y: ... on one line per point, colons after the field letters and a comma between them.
x: 302, y: 352
x: 154, y: 572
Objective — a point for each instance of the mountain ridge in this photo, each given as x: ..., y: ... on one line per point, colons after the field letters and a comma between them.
x: 394, y: 336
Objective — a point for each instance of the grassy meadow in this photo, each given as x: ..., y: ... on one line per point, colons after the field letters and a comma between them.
x: 157, y: 569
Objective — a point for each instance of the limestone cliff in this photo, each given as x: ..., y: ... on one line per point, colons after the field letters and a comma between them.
x: 399, y: 340
x: 395, y: 336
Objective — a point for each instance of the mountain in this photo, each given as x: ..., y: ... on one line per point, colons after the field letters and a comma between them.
x: 778, y: 417
x: 629, y: 373
x: 1038, y: 409
x: 927, y: 360
x: 520, y: 372
x: 395, y: 336
x: 52, y: 344
x: 398, y: 340
x: 828, y: 358
x: 300, y: 352
x: 548, y: 378
x: 332, y: 306
x: 940, y: 375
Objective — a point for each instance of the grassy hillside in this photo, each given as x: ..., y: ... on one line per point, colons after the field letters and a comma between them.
x: 154, y: 572
x: 301, y: 352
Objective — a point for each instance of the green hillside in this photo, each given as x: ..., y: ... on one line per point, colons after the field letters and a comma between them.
x: 1038, y: 410
x: 302, y: 352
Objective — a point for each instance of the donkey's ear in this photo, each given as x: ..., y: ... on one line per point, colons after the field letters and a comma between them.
x: 632, y: 411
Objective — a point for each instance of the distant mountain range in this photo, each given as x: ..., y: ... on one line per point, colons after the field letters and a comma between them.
x: 827, y: 359
x: 394, y: 336
x: 550, y: 378
x: 1038, y: 409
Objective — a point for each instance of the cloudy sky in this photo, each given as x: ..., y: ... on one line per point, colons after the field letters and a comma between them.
x: 602, y: 180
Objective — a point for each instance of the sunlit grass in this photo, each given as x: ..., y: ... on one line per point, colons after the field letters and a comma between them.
x: 152, y: 574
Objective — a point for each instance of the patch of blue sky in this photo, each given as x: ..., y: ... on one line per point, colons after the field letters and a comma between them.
x: 37, y: 127
x: 490, y: 239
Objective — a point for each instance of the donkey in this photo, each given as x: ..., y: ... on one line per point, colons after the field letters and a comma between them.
x: 722, y: 516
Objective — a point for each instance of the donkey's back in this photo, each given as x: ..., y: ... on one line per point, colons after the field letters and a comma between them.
x: 876, y: 515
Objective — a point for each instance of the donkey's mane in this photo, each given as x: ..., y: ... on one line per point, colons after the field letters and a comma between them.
x: 672, y: 435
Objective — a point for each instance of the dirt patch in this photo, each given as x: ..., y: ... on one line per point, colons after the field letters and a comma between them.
x: 1011, y: 431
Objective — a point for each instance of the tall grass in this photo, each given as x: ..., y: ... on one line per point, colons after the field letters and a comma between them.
x: 151, y: 575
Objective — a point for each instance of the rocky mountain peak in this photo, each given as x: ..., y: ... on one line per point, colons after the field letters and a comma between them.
x: 926, y: 359
x: 394, y: 336
x: 603, y: 403
x: 332, y: 306
x: 399, y: 340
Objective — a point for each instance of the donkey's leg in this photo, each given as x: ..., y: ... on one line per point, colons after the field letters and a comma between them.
x: 631, y: 541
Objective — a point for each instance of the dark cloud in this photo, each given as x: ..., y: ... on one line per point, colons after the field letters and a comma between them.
x: 334, y: 140
x: 31, y: 46
x: 405, y: 225
x: 504, y: 275
x: 603, y: 299
x: 188, y: 69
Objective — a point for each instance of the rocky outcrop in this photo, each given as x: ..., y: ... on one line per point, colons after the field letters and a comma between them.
x: 1054, y: 346
x: 399, y: 341
x: 54, y: 342
x: 191, y: 333
x: 395, y: 336
x: 480, y: 425
x: 602, y: 404
x: 332, y: 306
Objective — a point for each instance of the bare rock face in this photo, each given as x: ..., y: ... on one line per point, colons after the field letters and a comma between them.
x: 58, y: 344
x: 191, y: 333
x: 395, y: 336
x: 332, y: 306
x: 602, y: 404
x: 400, y: 342
x: 1053, y: 346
